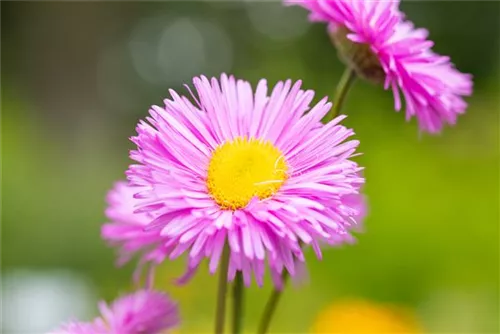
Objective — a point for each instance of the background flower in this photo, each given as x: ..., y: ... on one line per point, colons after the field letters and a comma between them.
x: 365, y: 317
x: 75, y: 327
x: 374, y: 38
x: 127, y: 229
x: 142, y: 312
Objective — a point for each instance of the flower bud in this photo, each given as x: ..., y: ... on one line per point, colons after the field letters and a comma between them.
x: 358, y: 56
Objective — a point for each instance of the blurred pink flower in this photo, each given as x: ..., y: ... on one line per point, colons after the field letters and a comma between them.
x: 75, y: 327
x: 142, y: 312
x: 126, y: 228
x: 256, y: 172
x: 374, y: 38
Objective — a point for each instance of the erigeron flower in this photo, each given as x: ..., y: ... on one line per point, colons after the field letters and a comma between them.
x: 247, y: 171
x: 374, y: 39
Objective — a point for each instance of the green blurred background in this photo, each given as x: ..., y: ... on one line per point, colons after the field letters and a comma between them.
x: 76, y: 77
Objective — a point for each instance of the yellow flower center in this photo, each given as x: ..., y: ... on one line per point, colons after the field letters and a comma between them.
x: 245, y: 168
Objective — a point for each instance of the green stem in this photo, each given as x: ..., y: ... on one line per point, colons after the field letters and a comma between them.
x: 221, y: 294
x: 341, y: 91
x: 271, y: 305
x: 238, y: 311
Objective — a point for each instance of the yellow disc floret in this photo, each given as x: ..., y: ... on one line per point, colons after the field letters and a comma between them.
x: 245, y: 168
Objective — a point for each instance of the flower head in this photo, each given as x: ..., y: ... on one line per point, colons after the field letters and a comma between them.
x: 249, y: 170
x: 374, y: 39
x: 364, y: 317
x: 143, y: 312
x: 126, y: 228
x: 75, y: 327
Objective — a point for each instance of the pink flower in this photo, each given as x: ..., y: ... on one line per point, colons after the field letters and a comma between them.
x: 248, y: 170
x: 380, y: 45
x: 74, y: 327
x: 127, y: 229
x: 143, y: 312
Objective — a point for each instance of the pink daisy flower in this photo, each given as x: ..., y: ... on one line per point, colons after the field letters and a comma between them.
x: 75, y: 327
x: 127, y: 229
x: 374, y: 39
x: 248, y: 170
x: 143, y: 312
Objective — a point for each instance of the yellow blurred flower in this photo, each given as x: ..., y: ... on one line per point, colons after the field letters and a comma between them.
x: 364, y: 317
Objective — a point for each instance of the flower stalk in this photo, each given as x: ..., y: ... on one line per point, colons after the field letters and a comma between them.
x: 238, y: 300
x: 271, y: 306
x: 341, y: 91
x: 220, y: 313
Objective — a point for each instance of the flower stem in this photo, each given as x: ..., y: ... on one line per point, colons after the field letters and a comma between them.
x: 238, y: 311
x: 221, y: 294
x: 271, y: 305
x: 341, y: 91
